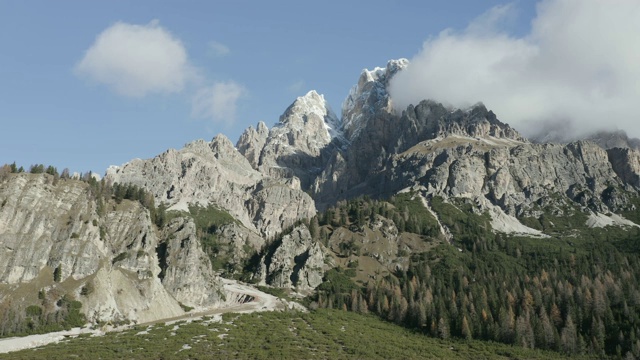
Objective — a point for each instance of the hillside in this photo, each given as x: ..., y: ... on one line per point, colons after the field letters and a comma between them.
x: 322, y: 334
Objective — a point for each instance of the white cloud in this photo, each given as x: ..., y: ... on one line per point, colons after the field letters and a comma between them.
x: 136, y: 60
x: 217, y: 49
x: 578, y: 65
x: 218, y: 102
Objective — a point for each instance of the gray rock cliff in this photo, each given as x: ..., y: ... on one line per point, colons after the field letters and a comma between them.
x: 298, y: 145
x: 295, y: 261
x: 52, y: 226
x: 186, y: 269
x: 215, y: 173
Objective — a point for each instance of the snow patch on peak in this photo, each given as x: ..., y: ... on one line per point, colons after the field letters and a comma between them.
x: 369, y: 94
x: 372, y: 75
x: 305, y: 108
x: 384, y: 73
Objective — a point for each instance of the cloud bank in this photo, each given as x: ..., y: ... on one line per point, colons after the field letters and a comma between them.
x: 140, y: 60
x: 578, y: 68
x: 218, y: 102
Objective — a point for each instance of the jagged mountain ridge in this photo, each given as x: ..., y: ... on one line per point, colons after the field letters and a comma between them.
x: 273, y: 178
x: 459, y: 153
x: 216, y: 173
x: 372, y: 149
x: 376, y: 150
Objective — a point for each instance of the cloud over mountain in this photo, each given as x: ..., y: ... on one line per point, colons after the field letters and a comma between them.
x: 578, y: 65
x: 136, y: 60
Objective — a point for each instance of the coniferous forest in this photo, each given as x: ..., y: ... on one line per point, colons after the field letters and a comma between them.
x: 576, y: 291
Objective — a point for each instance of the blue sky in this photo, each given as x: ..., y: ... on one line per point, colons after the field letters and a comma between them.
x: 60, y: 103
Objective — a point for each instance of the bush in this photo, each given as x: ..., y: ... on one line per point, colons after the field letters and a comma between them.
x: 119, y: 258
x: 34, y: 311
x: 87, y: 289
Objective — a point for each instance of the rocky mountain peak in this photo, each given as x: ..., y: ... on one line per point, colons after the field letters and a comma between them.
x: 223, y: 147
x: 476, y: 122
x: 251, y: 143
x: 311, y: 112
x: 296, y: 146
x: 368, y: 96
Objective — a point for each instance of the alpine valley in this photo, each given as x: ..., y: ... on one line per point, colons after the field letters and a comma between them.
x: 444, y: 221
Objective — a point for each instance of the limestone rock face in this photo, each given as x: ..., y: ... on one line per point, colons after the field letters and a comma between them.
x: 251, y: 143
x: 298, y: 146
x: 297, y: 261
x: 626, y: 164
x: 514, y: 178
x: 186, y: 268
x: 217, y: 174
x: 50, y: 226
x: 37, y: 223
x: 272, y: 202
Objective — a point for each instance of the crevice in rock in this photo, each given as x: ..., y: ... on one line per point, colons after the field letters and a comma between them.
x: 161, y: 251
x: 299, y: 261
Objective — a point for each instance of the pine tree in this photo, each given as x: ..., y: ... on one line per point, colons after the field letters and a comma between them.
x: 466, y: 330
x: 569, y: 337
x: 443, y: 329
x: 57, y: 274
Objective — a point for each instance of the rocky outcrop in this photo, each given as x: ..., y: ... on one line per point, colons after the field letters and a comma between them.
x: 515, y: 178
x: 295, y: 261
x: 626, y: 164
x: 298, y: 146
x: 217, y: 174
x: 186, y: 269
x: 55, y: 234
x: 274, y: 206
x: 251, y: 143
x: 240, y: 242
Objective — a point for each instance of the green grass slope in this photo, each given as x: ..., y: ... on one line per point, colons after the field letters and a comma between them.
x: 322, y: 334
